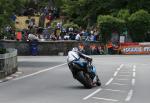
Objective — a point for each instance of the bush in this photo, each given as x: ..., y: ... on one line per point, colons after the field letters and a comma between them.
x: 71, y: 24
x: 123, y: 14
x: 1, y: 36
x: 109, y: 24
x: 2, y: 50
x: 139, y: 25
x: 54, y: 23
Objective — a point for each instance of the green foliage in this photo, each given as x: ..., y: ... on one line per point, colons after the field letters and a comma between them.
x: 85, y: 13
x: 82, y: 12
x: 65, y: 25
x: 139, y: 25
x: 135, y: 5
x: 54, y: 23
x: 123, y: 14
x: 71, y: 24
x: 1, y: 36
x: 2, y: 50
x: 7, y: 7
x: 109, y: 24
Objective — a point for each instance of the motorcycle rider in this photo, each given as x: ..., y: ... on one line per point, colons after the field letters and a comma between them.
x: 75, y: 56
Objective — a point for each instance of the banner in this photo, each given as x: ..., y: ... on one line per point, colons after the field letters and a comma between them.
x: 135, y: 49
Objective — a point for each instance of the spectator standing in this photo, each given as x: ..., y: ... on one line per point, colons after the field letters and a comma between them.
x: 78, y: 37
x: 32, y: 37
x: 92, y: 37
x: 46, y: 34
x: 96, y: 35
x: 14, y: 17
x: 53, y: 36
x: 66, y: 36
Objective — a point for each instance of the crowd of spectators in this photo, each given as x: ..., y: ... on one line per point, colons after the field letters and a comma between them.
x: 48, y: 32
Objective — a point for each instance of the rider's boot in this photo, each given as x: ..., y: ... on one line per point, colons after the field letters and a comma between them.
x: 98, y: 83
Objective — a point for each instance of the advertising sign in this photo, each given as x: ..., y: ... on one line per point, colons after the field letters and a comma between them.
x: 122, y: 39
x: 136, y: 49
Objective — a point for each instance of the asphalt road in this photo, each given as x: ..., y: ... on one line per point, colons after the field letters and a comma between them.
x: 47, y: 79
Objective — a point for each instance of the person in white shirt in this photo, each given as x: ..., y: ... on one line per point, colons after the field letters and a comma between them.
x: 78, y: 37
x: 32, y: 37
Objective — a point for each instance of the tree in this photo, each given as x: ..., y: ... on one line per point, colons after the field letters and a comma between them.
x: 84, y: 11
x: 139, y: 25
x: 70, y: 24
x: 135, y: 5
x: 123, y: 14
x: 109, y: 24
x: 6, y: 9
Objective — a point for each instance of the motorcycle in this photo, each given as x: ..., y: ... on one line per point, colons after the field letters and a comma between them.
x: 85, y: 73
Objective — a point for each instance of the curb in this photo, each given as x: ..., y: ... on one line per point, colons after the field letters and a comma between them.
x: 10, y: 77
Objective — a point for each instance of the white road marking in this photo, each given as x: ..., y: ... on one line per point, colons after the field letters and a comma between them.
x: 133, y: 82
x: 123, y: 75
x: 134, y: 74
x: 110, y: 80
x: 90, y: 95
x: 122, y: 79
x: 41, y: 71
x: 119, y: 84
x: 129, y: 96
x: 115, y: 74
x: 115, y: 90
x: 106, y: 99
x: 120, y: 67
x: 125, y: 71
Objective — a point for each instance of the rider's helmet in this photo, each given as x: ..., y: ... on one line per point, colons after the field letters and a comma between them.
x: 75, y: 49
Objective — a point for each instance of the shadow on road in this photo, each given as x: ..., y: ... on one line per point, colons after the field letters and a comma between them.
x: 76, y: 87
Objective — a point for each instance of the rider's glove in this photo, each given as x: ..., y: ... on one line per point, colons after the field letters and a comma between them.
x: 89, y: 59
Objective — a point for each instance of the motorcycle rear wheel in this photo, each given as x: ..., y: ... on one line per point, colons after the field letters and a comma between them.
x: 85, y: 79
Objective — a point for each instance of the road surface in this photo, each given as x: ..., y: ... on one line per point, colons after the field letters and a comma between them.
x: 47, y: 79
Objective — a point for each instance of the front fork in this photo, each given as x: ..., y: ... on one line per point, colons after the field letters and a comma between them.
x: 92, y: 71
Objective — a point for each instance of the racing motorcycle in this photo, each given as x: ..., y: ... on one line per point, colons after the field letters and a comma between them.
x: 85, y: 73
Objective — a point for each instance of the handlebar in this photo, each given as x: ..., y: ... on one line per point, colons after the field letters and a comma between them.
x: 90, y: 62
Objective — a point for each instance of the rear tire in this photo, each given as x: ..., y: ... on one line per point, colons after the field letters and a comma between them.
x: 88, y: 81
x: 85, y: 79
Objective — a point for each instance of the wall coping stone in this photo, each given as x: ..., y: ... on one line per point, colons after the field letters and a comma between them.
x: 11, y: 53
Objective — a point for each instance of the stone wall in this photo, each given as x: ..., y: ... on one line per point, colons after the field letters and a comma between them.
x: 8, y: 63
x: 46, y: 47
